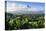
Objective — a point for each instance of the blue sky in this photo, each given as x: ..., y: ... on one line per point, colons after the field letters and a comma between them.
x: 28, y: 0
x: 34, y: 5
x: 39, y: 6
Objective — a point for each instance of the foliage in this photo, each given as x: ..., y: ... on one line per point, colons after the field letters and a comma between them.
x: 24, y: 21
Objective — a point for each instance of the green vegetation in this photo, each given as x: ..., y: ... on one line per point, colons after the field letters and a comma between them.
x: 30, y: 21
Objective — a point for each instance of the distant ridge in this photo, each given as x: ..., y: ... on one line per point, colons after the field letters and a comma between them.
x: 27, y: 12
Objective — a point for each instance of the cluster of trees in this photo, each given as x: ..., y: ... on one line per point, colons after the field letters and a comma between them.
x: 24, y: 21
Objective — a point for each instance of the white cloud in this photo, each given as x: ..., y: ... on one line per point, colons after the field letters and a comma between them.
x: 13, y: 7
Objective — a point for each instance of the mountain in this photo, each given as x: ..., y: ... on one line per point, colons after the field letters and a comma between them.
x: 27, y: 12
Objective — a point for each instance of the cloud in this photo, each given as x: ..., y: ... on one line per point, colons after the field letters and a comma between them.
x: 15, y: 7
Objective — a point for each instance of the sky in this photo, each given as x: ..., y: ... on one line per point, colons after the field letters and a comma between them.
x: 33, y: 6
x: 28, y: 0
